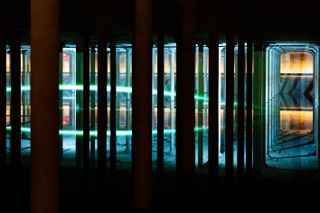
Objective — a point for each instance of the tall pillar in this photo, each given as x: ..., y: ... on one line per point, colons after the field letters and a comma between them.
x: 86, y: 103
x: 185, y: 117
x: 15, y: 120
x: 214, y: 105
x: 229, y: 105
x: 128, y: 97
x: 258, y: 100
x: 102, y: 104
x: 249, y: 110
x: 154, y: 61
x: 93, y: 103
x: 61, y: 102
x: 172, y: 98
x: 142, y: 104
x: 200, y: 106
x: 241, y: 91
x: 113, y: 105
x: 263, y: 109
x: 3, y: 96
x: 79, y: 104
x: 185, y: 92
x: 118, y: 80
x: 45, y: 103
x: 160, y: 112
x: 23, y: 93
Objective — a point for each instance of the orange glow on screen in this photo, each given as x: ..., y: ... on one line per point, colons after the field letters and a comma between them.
x: 296, y: 120
x: 296, y: 62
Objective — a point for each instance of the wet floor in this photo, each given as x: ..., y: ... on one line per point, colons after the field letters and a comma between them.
x: 290, y: 140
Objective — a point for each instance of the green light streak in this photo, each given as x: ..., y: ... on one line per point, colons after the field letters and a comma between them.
x: 201, y: 97
x: 95, y: 133
x: 123, y: 89
x: 120, y: 89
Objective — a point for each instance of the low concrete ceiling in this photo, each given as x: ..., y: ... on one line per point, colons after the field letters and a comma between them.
x: 264, y: 20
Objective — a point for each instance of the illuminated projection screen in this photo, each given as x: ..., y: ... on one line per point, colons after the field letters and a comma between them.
x: 296, y: 63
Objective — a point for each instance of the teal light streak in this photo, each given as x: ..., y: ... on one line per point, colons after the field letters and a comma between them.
x: 120, y: 89
x: 201, y: 97
x: 124, y: 89
x: 94, y: 133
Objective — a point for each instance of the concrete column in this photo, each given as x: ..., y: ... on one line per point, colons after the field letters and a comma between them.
x: 79, y: 105
x: 45, y: 102
x: 235, y: 94
x: 249, y: 110
x: 102, y: 103
x: 15, y: 148
x: 113, y: 105
x: 23, y: 93
x: 263, y: 111
x: 142, y: 104
x: 258, y: 86
x: 86, y: 101
x: 185, y: 92
x: 229, y: 104
x: 93, y: 103
x: 118, y: 96
x: 172, y: 99
x: 214, y: 105
x: 128, y: 98
x: 154, y: 61
x: 3, y: 96
x: 185, y: 120
x: 241, y: 91
x: 61, y: 102
x: 270, y: 84
x: 160, y: 112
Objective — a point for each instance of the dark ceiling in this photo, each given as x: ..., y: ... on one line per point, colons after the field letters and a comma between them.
x: 263, y: 20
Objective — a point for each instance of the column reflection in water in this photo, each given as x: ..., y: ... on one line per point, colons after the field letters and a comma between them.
x: 292, y: 107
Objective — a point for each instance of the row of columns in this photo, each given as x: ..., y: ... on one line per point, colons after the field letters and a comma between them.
x: 86, y: 89
x: 45, y: 139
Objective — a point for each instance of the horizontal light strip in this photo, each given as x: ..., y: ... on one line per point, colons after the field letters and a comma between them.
x: 118, y: 133
x: 120, y: 89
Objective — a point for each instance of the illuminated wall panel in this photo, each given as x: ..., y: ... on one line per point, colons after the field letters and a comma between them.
x: 296, y: 120
x: 297, y: 63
